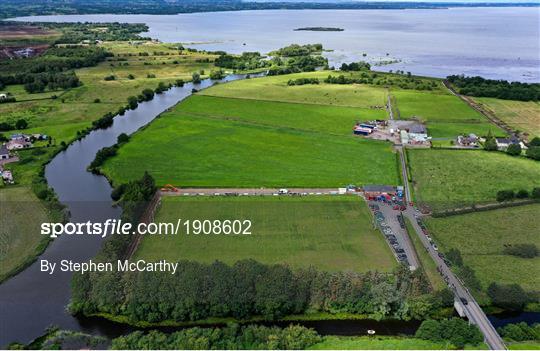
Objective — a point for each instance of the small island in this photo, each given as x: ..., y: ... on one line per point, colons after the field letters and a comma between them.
x: 321, y: 29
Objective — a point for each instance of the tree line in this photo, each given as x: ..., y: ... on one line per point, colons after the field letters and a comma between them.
x: 500, y: 89
x: 248, y: 288
x: 232, y: 337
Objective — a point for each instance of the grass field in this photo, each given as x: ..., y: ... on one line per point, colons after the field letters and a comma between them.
x: 445, y: 114
x: 521, y: 115
x: 329, y: 232
x: 275, y: 88
x: 481, y: 238
x: 310, y: 117
x: 445, y: 179
x: 205, y: 152
x: 383, y: 343
x: 21, y: 216
x: 75, y: 109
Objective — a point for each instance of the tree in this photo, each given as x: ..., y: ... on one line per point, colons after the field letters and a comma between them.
x: 535, y: 141
x: 21, y: 124
x: 535, y: 193
x: 454, y: 255
x: 511, y: 296
x: 122, y: 138
x: 514, y: 150
x: 490, y: 144
x: 133, y: 102
x: 196, y: 77
x: 505, y: 195
x: 533, y: 152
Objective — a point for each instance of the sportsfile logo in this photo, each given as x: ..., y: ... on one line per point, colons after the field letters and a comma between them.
x: 114, y: 226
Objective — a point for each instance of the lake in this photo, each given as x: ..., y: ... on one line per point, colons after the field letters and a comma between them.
x: 498, y: 43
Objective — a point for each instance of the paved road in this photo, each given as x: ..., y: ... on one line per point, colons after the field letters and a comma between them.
x: 472, y: 310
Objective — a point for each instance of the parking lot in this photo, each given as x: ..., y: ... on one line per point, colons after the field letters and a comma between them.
x: 392, y: 226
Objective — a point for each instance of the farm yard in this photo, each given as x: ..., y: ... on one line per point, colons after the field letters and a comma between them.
x: 209, y: 141
x: 481, y: 237
x: 445, y: 114
x: 521, y: 115
x: 445, y: 179
x: 328, y: 232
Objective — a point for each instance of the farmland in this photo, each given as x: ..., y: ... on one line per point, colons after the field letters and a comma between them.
x: 445, y: 114
x: 329, y: 232
x: 264, y: 146
x: 275, y: 88
x: 445, y: 179
x: 61, y: 113
x: 19, y: 233
x: 481, y: 238
x: 521, y: 115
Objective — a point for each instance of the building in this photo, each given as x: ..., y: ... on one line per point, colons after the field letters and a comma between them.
x: 417, y: 133
x: 504, y: 143
x: 374, y: 191
x: 470, y: 140
x: 4, y: 152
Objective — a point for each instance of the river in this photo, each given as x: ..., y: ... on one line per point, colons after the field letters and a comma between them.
x: 435, y: 42
x: 31, y: 301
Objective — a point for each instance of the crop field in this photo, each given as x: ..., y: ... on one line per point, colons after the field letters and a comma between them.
x: 275, y: 88
x: 331, y: 233
x: 21, y: 217
x: 206, y: 152
x: 481, y: 238
x: 445, y: 114
x: 521, y: 115
x: 445, y: 179
x: 74, y: 109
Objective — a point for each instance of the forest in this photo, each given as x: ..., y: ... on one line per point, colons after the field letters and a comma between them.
x: 247, y: 289
x: 500, y: 89
x: 52, y: 69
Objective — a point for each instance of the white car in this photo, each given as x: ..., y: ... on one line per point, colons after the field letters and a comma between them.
x: 283, y: 191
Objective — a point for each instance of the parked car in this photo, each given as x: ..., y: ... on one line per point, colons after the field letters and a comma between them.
x: 435, y: 247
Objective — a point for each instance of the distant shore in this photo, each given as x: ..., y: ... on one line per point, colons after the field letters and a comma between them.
x: 320, y: 29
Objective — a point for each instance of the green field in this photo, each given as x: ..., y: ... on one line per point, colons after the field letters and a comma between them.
x: 481, y: 238
x: 383, y: 343
x: 75, y: 109
x: 309, y: 117
x: 205, y: 152
x: 21, y: 216
x: 445, y: 114
x: 329, y: 232
x: 521, y: 115
x: 445, y: 179
x: 275, y: 88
